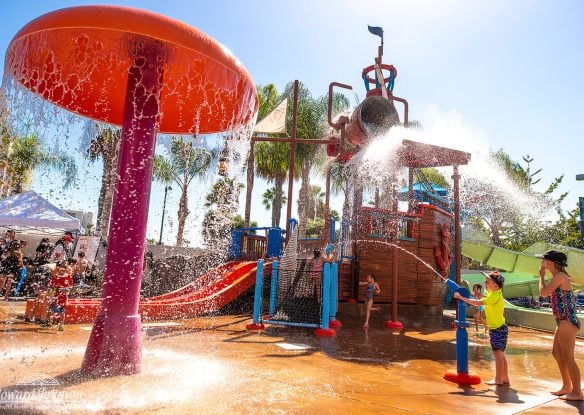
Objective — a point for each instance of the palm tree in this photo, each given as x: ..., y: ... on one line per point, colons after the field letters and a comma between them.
x: 181, y: 167
x: 268, y: 198
x: 105, y: 145
x: 272, y: 162
x: 315, y: 200
x: 268, y: 100
x: 311, y: 124
x: 340, y: 183
x: 22, y: 154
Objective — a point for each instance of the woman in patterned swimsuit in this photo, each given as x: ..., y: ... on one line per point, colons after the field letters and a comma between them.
x: 564, y: 309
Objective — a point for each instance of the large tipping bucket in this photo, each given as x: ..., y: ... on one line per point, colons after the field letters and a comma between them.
x: 373, y: 116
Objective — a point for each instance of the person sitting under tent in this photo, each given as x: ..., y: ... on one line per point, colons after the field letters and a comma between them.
x: 10, y: 268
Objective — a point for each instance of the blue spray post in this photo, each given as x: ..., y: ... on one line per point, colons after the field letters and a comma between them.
x: 273, y: 289
x: 461, y: 375
x: 257, y: 303
x: 333, y: 322
x: 325, y: 330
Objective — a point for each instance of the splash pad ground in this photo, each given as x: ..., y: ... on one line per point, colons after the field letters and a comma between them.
x: 213, y: 366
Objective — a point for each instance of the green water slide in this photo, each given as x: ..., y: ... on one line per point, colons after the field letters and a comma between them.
x: 517, y: 284
x: 523, y: 263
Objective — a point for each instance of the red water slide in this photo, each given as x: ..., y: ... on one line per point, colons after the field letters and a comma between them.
x: 210, y: 292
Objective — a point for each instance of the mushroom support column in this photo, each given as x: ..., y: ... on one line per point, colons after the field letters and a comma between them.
x: 115, y: 345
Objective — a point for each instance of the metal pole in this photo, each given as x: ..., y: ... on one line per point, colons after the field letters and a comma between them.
x: 325, y: 292
x: 334, y: 292
x: 166, y: 189
x: 327, y: 213
x: 410, y: 188
x: 457, y: 253
x: 394, y: 238
x: 292, y: 159
x: 580, y: 177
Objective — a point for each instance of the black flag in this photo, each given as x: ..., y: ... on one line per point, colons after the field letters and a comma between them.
x: 376, y: 30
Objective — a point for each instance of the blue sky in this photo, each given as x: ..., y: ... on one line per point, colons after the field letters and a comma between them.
x: 512, y: 71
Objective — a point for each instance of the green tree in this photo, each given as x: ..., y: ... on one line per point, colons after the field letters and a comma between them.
x: 272, y: 162
x: 183, y: 164
x: 314, y: 227
x: 311, y: 123
x: 315, y: 206
x: 493, y: 211
x: 221, y: 203
x: 238, y: 223
x: 268, y: 101
x: 106, y: 146
x: 340, y: 184
x: 23, y: 154
x: 268, y: 198
x: 335, y: 215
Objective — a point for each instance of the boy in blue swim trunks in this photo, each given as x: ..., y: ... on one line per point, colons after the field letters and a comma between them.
x: 498, y: 331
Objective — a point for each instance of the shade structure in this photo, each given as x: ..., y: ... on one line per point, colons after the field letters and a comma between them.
x: 78, y: 58
x: 28, y: 211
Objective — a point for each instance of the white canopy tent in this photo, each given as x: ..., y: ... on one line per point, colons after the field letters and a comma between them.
x: 29, y: 213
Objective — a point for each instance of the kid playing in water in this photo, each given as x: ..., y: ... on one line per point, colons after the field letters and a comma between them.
x: 57, y: 306
x: 479, y: 315
x: 316, y: 264
x: 372, y: 288
x: 563, y: 302
x: 57, y: 298
x: 498, y: 332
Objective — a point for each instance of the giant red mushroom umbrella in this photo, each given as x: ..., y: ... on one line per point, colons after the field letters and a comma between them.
x: 149, y: 74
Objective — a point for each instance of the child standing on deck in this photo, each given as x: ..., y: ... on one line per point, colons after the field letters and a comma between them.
x: 479, y: 315
x: 372, y: 288
x: 498, y: 331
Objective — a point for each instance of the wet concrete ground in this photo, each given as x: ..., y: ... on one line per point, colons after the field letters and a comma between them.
x: 213, y: 366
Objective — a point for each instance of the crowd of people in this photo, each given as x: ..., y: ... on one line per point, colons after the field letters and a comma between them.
x: 51, y: 275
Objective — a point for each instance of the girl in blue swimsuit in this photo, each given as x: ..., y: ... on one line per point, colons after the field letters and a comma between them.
x: 372, y: 288
x: 564, y: 308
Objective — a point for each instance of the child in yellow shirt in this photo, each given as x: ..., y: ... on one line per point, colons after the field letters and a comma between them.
x: 498, y: 331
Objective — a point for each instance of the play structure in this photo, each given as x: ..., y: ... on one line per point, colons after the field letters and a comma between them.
x: 401, y: 248
x: 298, y: 294
x: 164, y: 76
x: 150, y: 74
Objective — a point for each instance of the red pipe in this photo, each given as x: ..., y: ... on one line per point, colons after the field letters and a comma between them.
x: 292, y: 160
x: 342, y: 120
x: 406, y: 108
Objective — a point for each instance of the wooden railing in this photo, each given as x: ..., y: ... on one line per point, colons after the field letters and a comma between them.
x: 380, y: 224
x: 253, y: 247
